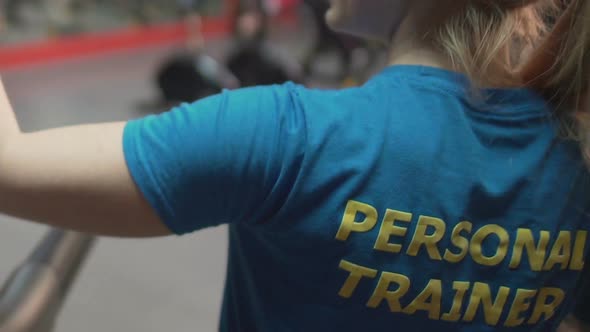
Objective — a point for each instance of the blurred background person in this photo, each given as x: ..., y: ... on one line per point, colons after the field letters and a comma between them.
x: 253, y: 59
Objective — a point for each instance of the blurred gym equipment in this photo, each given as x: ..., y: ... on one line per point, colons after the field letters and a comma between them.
x: 191, y: 74
x: 31, y: 299
x: 254, y: 61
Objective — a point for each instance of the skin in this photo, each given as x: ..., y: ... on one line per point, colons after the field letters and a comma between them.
x: 571, y: 324
x: 406, y: 47
x: 401, y: 24
x: 76, y: 177
x: 366, y: 18
x: 72, y: 177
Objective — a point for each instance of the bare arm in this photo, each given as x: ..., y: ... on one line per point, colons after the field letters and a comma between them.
x: 74, y: 178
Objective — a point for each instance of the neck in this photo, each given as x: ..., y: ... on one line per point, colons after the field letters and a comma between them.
x: 410, y: 54
x: 411, y: 44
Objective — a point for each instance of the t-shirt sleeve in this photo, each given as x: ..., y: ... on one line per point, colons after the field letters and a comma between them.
x: 229, y: 158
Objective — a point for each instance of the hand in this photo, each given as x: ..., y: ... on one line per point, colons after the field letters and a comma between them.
x: 572, y: 324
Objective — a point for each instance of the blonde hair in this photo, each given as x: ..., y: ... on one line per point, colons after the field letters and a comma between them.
x: 514, y: 43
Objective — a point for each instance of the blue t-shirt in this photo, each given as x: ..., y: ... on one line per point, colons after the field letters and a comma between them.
x: 407, y: 204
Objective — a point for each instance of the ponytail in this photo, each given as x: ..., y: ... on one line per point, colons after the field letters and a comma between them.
x: 489, y: 40
x: 560, y: 70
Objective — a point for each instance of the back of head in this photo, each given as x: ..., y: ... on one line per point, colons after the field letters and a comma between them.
x: 542, y: 44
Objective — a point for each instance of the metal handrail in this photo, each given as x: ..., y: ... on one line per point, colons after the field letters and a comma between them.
x: 34, y: 294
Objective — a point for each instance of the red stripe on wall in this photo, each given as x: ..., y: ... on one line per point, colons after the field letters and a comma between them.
x: 61, y: 48
x: 90, y: 44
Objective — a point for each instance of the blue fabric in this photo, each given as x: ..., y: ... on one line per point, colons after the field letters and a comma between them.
x: 410, y: 203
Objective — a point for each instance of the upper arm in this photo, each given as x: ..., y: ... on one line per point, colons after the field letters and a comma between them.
x: 75, y: 178
x: 228, y: 158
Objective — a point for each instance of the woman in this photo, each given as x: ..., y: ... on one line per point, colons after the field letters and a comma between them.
x: 442, y: 195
